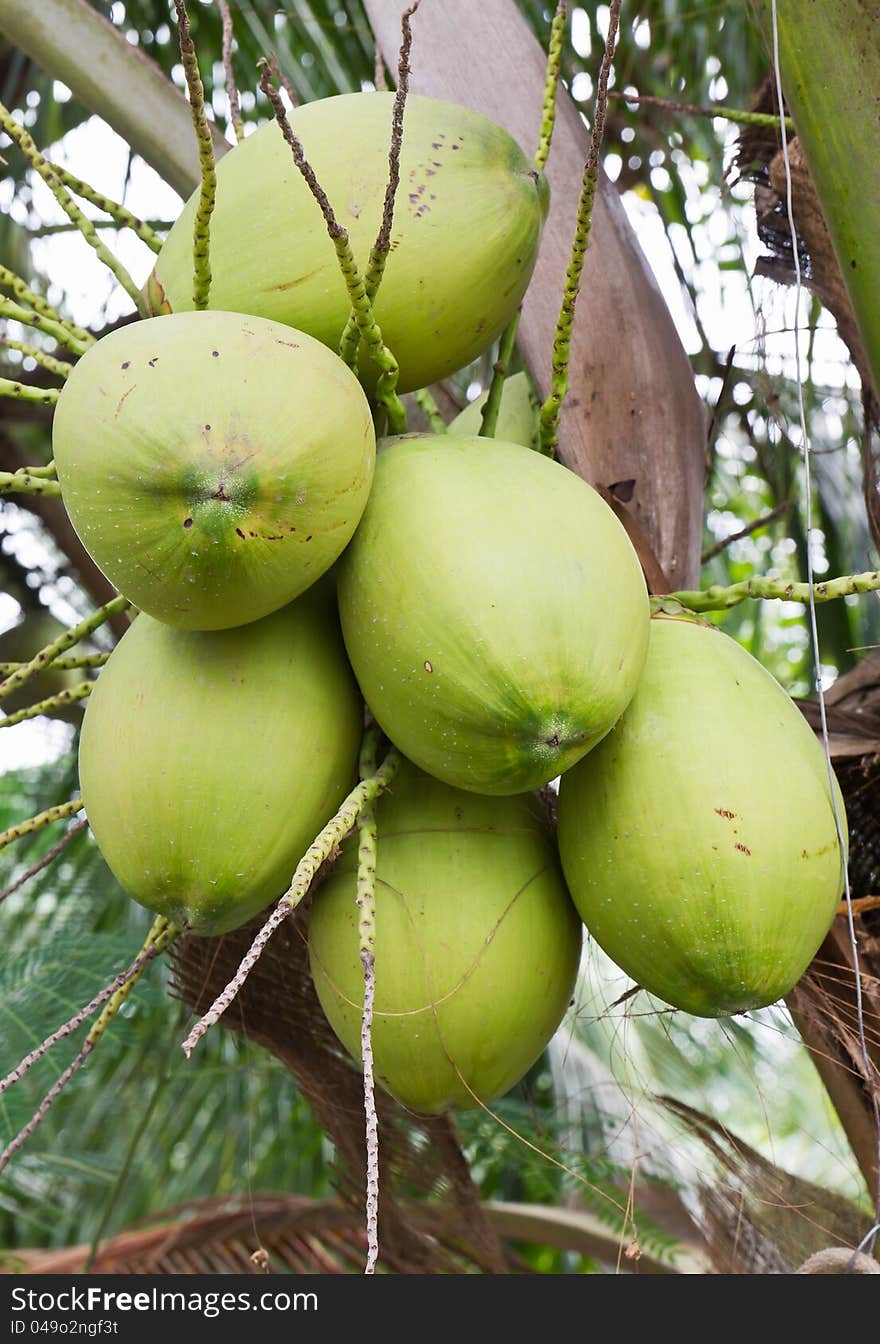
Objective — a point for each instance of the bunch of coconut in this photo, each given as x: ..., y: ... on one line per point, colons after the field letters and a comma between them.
x: 481, y: 600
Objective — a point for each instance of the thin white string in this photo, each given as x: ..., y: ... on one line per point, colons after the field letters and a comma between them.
x: 814, y: 630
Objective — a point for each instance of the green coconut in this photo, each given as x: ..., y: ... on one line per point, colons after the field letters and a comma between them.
x: 699, y: 840
x: 517, y: 416
x: 467, y: 223
x: 214, y: 465
x: 476, y: 944
x: 210, y: 760
x: 493, y: 609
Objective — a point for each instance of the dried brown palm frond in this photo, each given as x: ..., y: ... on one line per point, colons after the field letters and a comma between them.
x: 758, y: 1218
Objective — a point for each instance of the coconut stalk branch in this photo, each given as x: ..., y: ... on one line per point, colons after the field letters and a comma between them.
x: 365, y: 899
x: 429, y: 408
x: 318, y: 852
x: 48, y: 706
x: 208, y: 179
x: 56, y: 366
x: 829, y: 57
x: 73, y: 43
x: 151, y: 948
x: 119, y: 214
x: 61, y: 664
x: 386, y: 387
x: 30, y: 299
x: 65, y: 641
x: 60, y: 330
x: 548, y: 430
x: 48, y: 857
x: 551, y: 84
x: 489, y: 419
x: 718, y: 598
x: 348, y: 345
x: 231, y: 87
x: 157, y: 941
x: 40, y: 396
x: 33, y: 824
x: 25, y: 482
x: 695, y: 110
x: 69, y: 206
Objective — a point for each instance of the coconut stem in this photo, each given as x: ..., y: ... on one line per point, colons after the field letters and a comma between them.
x: 157, y: 941
x: 42, y: 819
x: 717, y: 598
x: 489, y: 419
x: 354, y: 282
x: 61, y: 664
x: 321, y: 848
x: 30, y: 299
x: 208, y: 188
x: 61, y: 331
x: 26, y: 483
x: 368, y: 844
x: 48, y: 857
x: 429, y: 407
x: 67, y: 697
x: 231, y: 86
x: 280, y: 78
x: 56, y: 366
x: 551, y: 84
x: 548, y: 434
x: 119, y: 214
x: 40, y: 396
x: 68, y: 205
x: 65, y: 641
x: 348, y: 345
x: 736, y: 114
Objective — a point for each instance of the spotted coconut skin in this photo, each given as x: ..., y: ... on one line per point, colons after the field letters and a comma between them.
x: 209, y: 760
x: 481, y: 671
x: 476, y: 943
x: 699, y: 840
x: 467, y: 224
x: 214, y: 465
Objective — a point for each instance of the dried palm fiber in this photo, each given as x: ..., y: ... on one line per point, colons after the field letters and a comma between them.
x: 419, y: 1156
x: 759, y: 158
x: 758, y: 1218
x: 823, y: 1004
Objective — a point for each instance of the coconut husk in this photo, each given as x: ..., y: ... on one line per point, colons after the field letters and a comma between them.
x: 420, y: 1156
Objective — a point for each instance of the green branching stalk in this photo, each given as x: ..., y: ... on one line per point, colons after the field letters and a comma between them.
x: 208, y: 188
x: 431, y: 410
x: 348, y: 345
x: 366, y: 904
x: 47, y: 473
x: 69, y: 206
x: 231, y: 87
x: 736, y: 114
x: 551, y: 84
x: 56, y: 366
x: 548, y: 433
x: 319, y: 851
x: 27, y: 482
x: 39, y: 396
x: 717, y: 598
x: 61, y: 331
x: 86, y: 660
x: 46, y: 657
x: 161, y: 935
x: 119, y: 214
x: 489, y: 418
x: 30, y: 299
x: 386, y: 387
x: 67, y: 697
x: 33, y: 824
